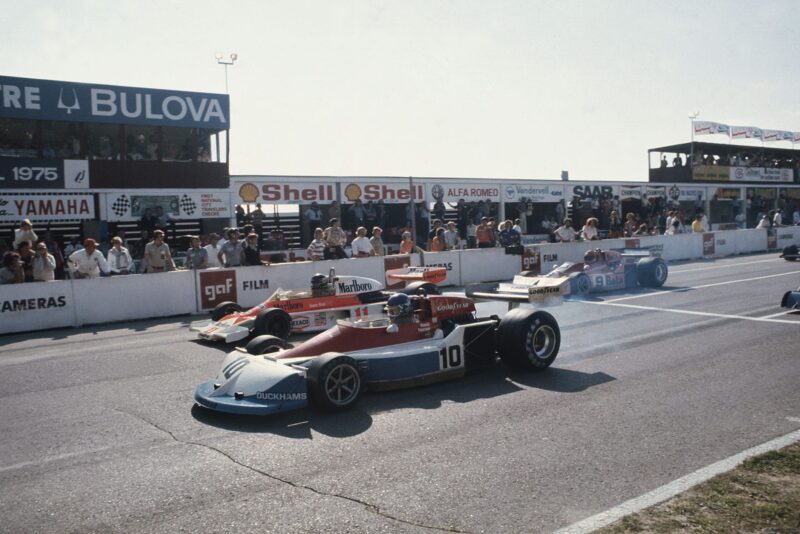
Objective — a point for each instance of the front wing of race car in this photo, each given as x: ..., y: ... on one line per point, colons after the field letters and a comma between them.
x: 255, y: 385
x: 220, y: 331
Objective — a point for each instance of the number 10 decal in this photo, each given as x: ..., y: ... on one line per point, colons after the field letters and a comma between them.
x: 450, y: 357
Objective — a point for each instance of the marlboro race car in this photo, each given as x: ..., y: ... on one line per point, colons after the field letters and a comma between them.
x: 424, y: 339
x: 601, y: 270
x: 329, y: 299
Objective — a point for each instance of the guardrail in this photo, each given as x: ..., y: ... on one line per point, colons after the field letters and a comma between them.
x: 45, y: 305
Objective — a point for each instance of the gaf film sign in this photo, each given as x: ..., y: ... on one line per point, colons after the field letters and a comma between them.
x: 217, y: 287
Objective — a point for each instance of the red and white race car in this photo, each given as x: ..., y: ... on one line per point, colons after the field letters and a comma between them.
x: 601, y: 270
x: 317, y: 308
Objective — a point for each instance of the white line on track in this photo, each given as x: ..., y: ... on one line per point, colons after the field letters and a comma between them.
x: 678, y: 289
x: 691, y: 312
x: 785, y: 312
x: 721, y: 266
x: 676, y: 487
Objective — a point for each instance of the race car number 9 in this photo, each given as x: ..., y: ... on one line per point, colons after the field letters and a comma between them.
x: 450, y: 357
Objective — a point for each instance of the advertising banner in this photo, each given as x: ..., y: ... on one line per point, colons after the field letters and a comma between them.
x: 771, y: 136
x: 711, y: 173
x: 655, y: 191
x: 46, y: 207
x: 132, y: 205
x: 33, y: 99
x: 746, y: 132
x: 710, y: 128
x: 28, y: 173
x: 685, y: 192
x: 388, y: 192
x: 532, y: 193
x: 470, y: 192
x: 284, y: 192
x: 630, y: 192
x: 760, y: 174
x: 583, y: 191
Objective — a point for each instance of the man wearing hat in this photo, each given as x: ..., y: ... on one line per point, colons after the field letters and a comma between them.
x: 88, y: 262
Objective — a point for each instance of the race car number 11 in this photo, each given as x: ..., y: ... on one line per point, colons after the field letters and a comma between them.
x: 450, y: 357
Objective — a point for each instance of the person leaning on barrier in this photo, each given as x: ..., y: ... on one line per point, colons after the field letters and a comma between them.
x: 361, y: 246
x: 212, y: 250
x: 250, y: 254
x: 88, y: 262
x: 119, y: 258
x: 335, y: 239
x: 230, y: 254
x: 44, y: 264
x: 157, y: 257
x: 11, y: 272
x: 377, y: 242
x: 565, y: 233
x: 196, y: 256
x: 316, y: 249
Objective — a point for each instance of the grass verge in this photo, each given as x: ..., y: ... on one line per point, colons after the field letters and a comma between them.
x: 760, y: 495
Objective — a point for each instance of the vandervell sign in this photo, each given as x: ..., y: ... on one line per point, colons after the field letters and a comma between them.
x: 28, y: 98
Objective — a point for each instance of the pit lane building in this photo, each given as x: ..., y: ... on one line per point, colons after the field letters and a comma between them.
x: 85, y: 159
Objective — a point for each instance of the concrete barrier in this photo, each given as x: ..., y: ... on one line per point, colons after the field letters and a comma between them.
x: 45, y: 305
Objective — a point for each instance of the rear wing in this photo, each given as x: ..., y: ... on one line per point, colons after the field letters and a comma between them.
x: 434, y: 275
x: 655, y: 250
x: 542, y: 295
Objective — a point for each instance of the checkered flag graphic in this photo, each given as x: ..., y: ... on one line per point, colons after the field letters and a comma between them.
x: 121, y: 206
x: 187, y: 205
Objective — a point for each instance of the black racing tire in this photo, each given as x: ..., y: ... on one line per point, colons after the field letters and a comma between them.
x: 789, y: 253
x: 414, y: 287
x: 264, y: 345
x: 274, y: 322
x: 651, y: 272
x: 528, y: 340
x: 580, y: 285
x: 224, y: 308
x: 334, y: 382
x: 631, y: 281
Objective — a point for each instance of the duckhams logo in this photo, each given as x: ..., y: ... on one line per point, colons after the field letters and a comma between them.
x: 354, y: 286
x: 216, y: 287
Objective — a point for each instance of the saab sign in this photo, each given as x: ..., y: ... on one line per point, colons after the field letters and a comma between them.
x: 217, y: 287
x: 32, y: 99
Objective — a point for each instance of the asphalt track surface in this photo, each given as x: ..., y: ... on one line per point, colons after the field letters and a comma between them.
x: 99, y: 433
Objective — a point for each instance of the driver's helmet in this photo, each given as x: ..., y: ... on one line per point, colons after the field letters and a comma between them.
x: 591, y: 256
x: 319, y: 281
x: 398, y: 305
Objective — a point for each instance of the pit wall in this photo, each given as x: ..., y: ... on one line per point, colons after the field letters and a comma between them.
x: 41, y: 306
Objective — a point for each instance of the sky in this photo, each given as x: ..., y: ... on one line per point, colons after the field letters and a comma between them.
x: 486, y: 89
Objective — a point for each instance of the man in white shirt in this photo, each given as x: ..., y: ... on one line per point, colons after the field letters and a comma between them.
x: 565, y: 232
x: 88, y: 262
x: 213, y: 250
x: 119, y: 259
x: 24, y: 233
x: 361, y: 246
x: 777, y: 219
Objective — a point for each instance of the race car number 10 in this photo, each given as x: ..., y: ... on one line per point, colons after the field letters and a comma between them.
x: 450, y: 357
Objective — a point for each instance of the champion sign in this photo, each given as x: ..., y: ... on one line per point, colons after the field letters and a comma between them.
x: 27, y: 98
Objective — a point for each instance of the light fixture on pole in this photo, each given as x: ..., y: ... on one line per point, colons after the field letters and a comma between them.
x: 692, y: 116
x: 233, y: 57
